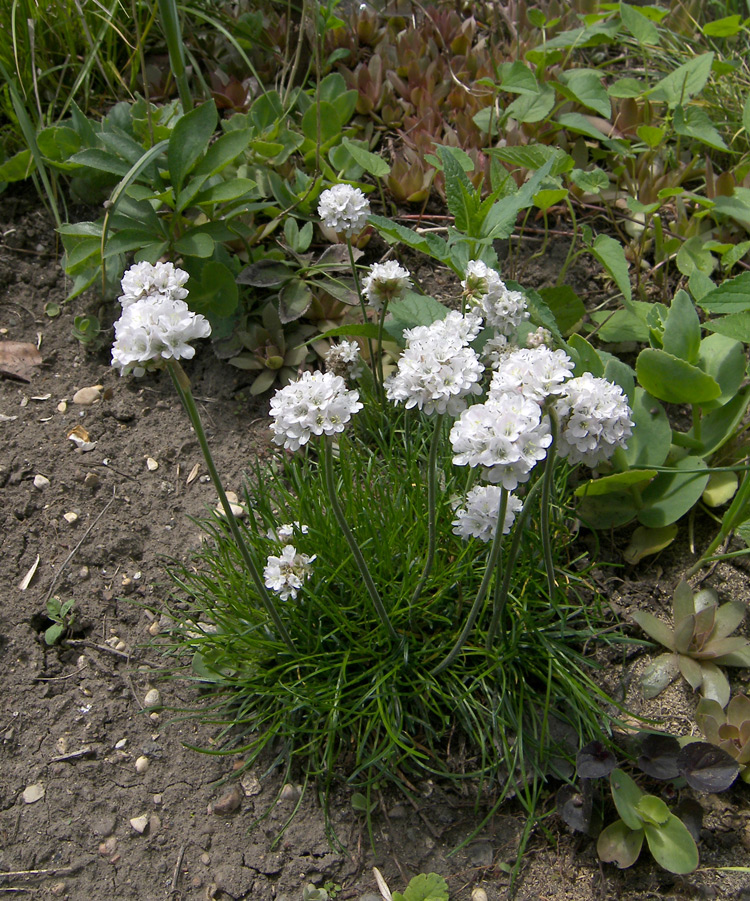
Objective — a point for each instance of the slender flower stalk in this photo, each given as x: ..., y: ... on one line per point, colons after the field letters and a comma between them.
x: 491, y: 567
x: 182, y: 386
x: 359, y: 559
x: 544, y: 523
x: 377, y: 371
x: 431, y: 508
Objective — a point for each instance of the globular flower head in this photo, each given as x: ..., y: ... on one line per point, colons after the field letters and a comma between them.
x: 155, y: 329
x: 385, y: 282
x: 533, y: 372
x: 438, y: 370
x: 344, y: 208
x: 148, y: 280
x: 507, y: 436
x: 487, y: 294
x: 343, y: 359
x: 319, y: 403
x: 286, y: 573
x: 594, y: 420
x: 539, y: 337
x: 477, y: 518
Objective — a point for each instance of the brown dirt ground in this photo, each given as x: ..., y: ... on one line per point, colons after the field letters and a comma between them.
x: 73, y: 721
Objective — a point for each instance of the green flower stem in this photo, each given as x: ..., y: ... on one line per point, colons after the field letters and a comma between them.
x: 501, y: 597
x: 492, y: 562
x: 378, y: 379
x: 549, y: 467
x: 182, y: 386
x: 431, y: 507
x: 736, y: 513
x: 359, y: 559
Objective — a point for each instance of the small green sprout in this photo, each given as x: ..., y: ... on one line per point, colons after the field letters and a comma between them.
x: 62, y: 617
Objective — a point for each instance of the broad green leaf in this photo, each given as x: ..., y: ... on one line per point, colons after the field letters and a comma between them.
x: 579, y: 124
x: 685, y: 81
x: 424, y: 887
x: 644, y: 542
x: 189, y: 141
x: 195, y: 244
x: 626, y: 795
x: 652, y: 434
x: 534, y: 156
x: 588, y: 359
x: 517, y: 78
x: 566, y: 306
x: 693, y: 255
x: 18, y: 167
x: 223, y: 151
x: 691, y: 670
x: 225, y: 191
x: 673, y: 380
x: 694, y: 122
x: 216, y: 293
x: 682, y: 329
x: 724, y: 360
x: 295, y: 298
x: 58, y: 143
x: 429, y: 244
x: 651, y: 135
x: 101, y: 160
x: 721, y: 488
x: 608, y: 511
x: 734, y: 254
x: 737, y: 206
x: 462, y: 199
x: 592, y: 181
x: 735, y: 326
x: 653, y: 810
x: 370, y: 162
x: 611, y: 254
x: 415, y: 309
x: 617, y: 482
x: 330, y: 123
x: 699, y: 284
x: 549, y: 197
x: 726, y: 27
x: 626, y: 87
x: 585, y: 86
x: 620, y: 373
x: 622, y: 325
x: 642, y: 29
x: 672, y: 846
x: 732, y: 296
x: 672, y: 494
x: 619, y: 844
x: 531, y: 107
x: 715, y: 686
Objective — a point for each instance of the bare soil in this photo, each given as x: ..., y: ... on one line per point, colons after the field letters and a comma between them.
x: 74, y: 720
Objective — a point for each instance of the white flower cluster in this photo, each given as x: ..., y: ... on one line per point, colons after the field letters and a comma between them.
x: 534, y: 372
x: 594, y: 420
x: 317, y: 404
x: 507, y: 436
x: 478, y: 517
x: 285, y: 533
x: 344, y: 208
x: 385, y: 282
x: 438, y: 370
x: 343, y: 359
x: 286, y: 573
x: 147, y: 280
x: 500, y: 308
x: 157, y: 326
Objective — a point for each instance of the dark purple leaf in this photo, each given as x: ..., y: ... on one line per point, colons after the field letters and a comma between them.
x: 706, y: 767
x: 691, y: 814
x: 658, y: 757
x: 574, y: 806
x: 595, y: 761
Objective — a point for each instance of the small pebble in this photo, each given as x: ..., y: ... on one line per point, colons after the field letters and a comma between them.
x: 151, y: 464
x: 205, y: 859
x: 154, y: 823
x: 41, y: 482
x: 70, y: 518
x: 87, y: 396
x: 108, y: 846
x: 154, y: 628
x: 290, y: 792
x: 140, y: 824
x: 121, y: 744
x: 142, y: 764
x: 33, y: 793
x: 152, y: 699
x: 57, y: 889
x: 478, y: 894
x: 157, y: 799
x: 62, y: 406
x: 228, y: 803
x: 91, y: 480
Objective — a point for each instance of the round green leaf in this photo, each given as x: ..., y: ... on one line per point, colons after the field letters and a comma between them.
x: 672, y: 846
x: 645, y: 542
x: 673, y: 380
x: 652, y: 435
x: 620, y: 845
x: 672, y: 494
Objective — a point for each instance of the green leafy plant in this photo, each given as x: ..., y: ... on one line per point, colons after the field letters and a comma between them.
x: 728, y: 729
x: 87, y: 330
x: 699, y: 642
x: 424, y: 887
x: 62, y: 615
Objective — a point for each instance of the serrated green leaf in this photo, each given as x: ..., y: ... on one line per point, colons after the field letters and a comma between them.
x: 726, y: 27
x: 694, y: 122
x: 531, y: 107
x: 534, y: 156
x: 642, y: 29
x: 735, y: 326
x: 586, y: 87
x: 733, y: 296
x: 370, y: 162
x: 425, y: 887
x: 592, y: 181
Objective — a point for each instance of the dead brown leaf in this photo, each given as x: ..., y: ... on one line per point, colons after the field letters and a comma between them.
x: 17, y: 360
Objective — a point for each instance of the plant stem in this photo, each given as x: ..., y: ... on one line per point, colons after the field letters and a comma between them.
x: 549, y: 466
x: 431, y: 507
x: 735, y: 514
x: 182, y: 386
x: 501, y: 597
x: 359, y: 559
x: 363, y: 306
x: 497, y: 543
